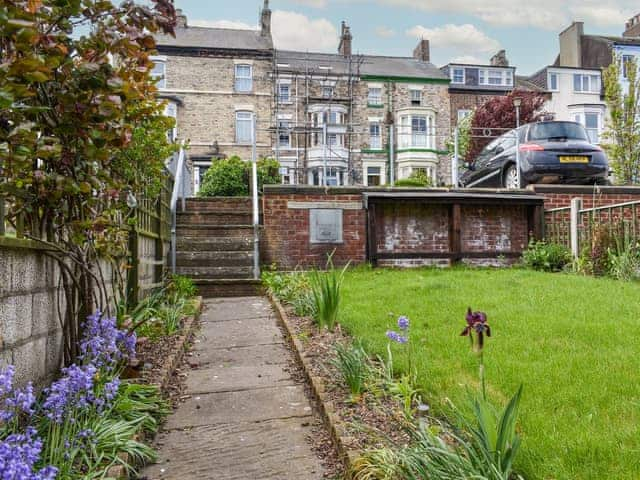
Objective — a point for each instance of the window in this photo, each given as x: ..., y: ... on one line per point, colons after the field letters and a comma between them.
x: 416, y: 131
x: 159, y: 72
x: 482, y: 76
x: 375, y: 96
x: 284, y: 134
x: 374, y: 176
x: 457, y: 75
x: 244, y: 127
x: 284, y: 93
x: 333, y: 177
x: 591, y: 123
x: 625, y: 64
x: 553, y: 82
x: 495, y: 77
x: 327, y: 92
x: 463, y: 113
x: 508, y: 75
x: 419, y: 131
x: 586, y: 83
x: 335, y: 118
x: 375, y: 140
x: 171, y: 110
x: 416, y: 97
x: 244, y: 81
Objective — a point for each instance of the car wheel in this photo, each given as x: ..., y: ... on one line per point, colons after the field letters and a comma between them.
x: 510, y: 177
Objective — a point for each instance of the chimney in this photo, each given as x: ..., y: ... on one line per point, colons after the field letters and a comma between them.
x: 265, y: 20
x: 632, y: 27
x: 571, y: 45
x: 421, y: 52
x: 181, y: 19
x: 500, y: 59
x: 345, y: 41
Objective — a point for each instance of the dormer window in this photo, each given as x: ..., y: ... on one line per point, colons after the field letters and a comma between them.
x: 457, y: 75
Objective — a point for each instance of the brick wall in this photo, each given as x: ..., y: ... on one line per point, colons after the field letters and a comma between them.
x: 557, y: 196
x: 407, y: 232
x: 287, y: 231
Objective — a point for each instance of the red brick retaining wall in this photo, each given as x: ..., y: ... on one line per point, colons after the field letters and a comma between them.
x: 557, y: 196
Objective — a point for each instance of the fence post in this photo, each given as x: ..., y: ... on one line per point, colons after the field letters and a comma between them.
x: 576, y: 206
x: 132, y: 276
x: 2, y: 215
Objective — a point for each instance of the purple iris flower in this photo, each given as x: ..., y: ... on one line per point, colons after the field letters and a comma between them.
x: 477, y: 322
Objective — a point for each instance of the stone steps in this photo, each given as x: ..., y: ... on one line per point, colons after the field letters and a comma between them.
x: 215, y: 246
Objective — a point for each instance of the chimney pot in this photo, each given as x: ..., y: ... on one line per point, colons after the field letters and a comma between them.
x: 422, y: 51
x: 500, y: 59
x: 265, y: 20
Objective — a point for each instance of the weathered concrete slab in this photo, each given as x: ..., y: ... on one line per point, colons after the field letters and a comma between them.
x: 238, y: 333
x: 226, y: 379
x: 271, y: 354
x: 274, y: 449
x: 240, y: 308
x: 246, y: 418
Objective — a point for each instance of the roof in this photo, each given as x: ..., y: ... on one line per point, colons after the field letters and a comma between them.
x: 215, y: 38
x: 364, y: 65
x: 617, y: 40
x: 524, y: 83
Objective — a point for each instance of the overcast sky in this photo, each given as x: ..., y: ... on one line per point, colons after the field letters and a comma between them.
x: 459, y: 30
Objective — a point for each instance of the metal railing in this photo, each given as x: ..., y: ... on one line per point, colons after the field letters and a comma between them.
x: 179, y: 192
x: 574, y: 226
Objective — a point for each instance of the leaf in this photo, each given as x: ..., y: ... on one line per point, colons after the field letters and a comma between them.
x: 33, y: 5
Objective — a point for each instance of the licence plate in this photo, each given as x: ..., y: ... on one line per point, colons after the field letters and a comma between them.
x: 574, y: 159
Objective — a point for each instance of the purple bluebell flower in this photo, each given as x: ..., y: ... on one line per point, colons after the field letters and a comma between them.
x: 72, y: 391
x: 14, y: 401
x: 403, y: 323
x: 18, y: 455
x: 111, y: 389
x: 103, y: 344
x: 391, y: 335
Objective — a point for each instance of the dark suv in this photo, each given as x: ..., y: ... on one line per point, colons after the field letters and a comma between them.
x: 550, y: 152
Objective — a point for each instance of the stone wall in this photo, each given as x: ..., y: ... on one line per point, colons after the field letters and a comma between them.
x: 204, y: 90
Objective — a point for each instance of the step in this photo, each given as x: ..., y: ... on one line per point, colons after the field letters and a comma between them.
x: 214, y: 218
x: 215, y: 231
x: 209, y: 288
x: 229, y: 258
x: 214, y: 244
x: 219, y: 272
x: 220, y: 204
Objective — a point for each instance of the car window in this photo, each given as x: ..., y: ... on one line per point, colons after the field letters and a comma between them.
x: 509, y: 140
x: 491, y: 146
x: 557, y: 130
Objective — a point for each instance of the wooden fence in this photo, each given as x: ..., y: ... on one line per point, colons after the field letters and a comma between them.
x: 575, y: 226
x: 148, y: 240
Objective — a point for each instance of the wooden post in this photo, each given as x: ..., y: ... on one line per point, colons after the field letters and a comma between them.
x: 455, y: 235
x: 371, y: 234
x: 576, y: 206
x: 133, y: 280
x: 158, y: 268
x: 2, y: 215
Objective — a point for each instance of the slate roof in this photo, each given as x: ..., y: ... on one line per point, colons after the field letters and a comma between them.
x: 364, y: 65
x: 215, y: 38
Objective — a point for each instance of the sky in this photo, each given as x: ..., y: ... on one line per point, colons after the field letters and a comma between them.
x: 458, y: 30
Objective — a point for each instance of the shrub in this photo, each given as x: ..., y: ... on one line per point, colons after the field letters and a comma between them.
x: 352, y: 363
x: 182, y: 286
x: 547, y: 257
x: 292, y: 288
x: 325, y: 288
x: 624, y: 263
x: 231, y: 177
x: 416, y: 179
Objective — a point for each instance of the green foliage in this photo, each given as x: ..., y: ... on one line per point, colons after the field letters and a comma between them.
x: 464, y: 137
x: 353, y: 365
x: 292, y: 288
x: 141, y: 404
x: 182, y: 286
x: 621, y: 139
x: 417, y: 178
x: 325, y: 288
x: 547, y: 257
x: 72, y: 133
x: 624, y: 263
x: 232, y: 177
x: 405, y: 390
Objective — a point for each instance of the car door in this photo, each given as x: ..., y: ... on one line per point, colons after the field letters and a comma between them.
x: 483, y: 167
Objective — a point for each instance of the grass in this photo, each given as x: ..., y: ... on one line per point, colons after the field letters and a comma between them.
x: 572, y: 341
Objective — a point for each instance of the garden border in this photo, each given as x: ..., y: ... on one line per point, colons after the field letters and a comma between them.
x: 329, y: 414
x: 169, y: 367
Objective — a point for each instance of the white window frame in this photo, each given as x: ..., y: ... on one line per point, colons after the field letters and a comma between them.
x: 588, y: 83
x: 410, y: 138
x: 327, y: 89
x: 415, y: 96
x: 171, y: 110
x: 161, y: 76
x: 372, y: 98
x: 284, y: 131
x: 375, y: 140
x: 243, y: 83
x: 453, y: 75
x: 485, y: 75
x: 239, y: 121
x: 378, y: 174
x: 580, y: 115
x: 555, y: 76
x: 284, y: 99
x: 463, y: 113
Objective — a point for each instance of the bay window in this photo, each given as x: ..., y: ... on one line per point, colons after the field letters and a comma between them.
x: 416, y: 131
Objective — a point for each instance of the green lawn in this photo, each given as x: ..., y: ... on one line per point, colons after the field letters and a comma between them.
x: 574, y: 342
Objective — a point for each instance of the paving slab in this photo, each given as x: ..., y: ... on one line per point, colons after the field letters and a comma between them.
x: 252, y: 355
x: 225, y: 379
x: 246, y: 417
x: 275, y: 449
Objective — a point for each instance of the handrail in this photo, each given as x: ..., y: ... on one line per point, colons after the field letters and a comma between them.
x: 178, y: 187
x: 607, y: 207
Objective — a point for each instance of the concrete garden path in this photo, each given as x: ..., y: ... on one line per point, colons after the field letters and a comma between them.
x: 246, y: 418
